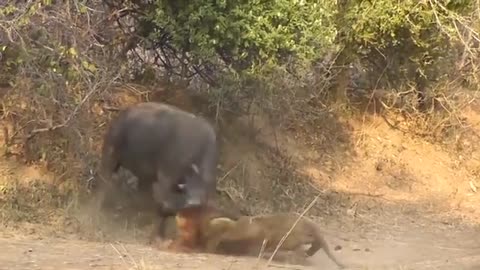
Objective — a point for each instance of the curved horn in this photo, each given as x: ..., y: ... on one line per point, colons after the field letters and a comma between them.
x: 195, y: 168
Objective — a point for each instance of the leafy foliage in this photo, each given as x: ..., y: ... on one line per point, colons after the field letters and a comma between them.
x: 395, y: 41
x: 404, y: 40
x: 245, y: 33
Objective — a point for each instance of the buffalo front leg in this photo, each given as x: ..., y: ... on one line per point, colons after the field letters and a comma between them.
x: 158, y: 236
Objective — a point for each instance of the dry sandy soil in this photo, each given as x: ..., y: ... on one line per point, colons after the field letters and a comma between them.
x: 393, y: 202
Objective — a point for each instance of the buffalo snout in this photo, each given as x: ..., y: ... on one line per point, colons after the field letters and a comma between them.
x: 194, y: 188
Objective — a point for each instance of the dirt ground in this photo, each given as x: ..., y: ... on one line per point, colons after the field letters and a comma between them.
x: 391, y: 202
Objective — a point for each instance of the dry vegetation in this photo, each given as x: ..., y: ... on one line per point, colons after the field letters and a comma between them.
x: 387, y: 174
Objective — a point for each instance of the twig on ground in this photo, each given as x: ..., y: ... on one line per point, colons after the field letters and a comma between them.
x: 228, y: 172
x: 222, y: 190
x: 260, y: 254
x: 111, y: 108
x: 130, y: 256
x: 284, y: 266
x: 119, y: 254
x: 366, y: 194
x: 291, y: 229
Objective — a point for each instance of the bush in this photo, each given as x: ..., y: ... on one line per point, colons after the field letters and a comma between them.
x: 415, y: 41
x: 54, y: 67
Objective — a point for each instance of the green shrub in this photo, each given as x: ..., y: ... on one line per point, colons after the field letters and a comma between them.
x: 403, y: 40
x: 247, y: 33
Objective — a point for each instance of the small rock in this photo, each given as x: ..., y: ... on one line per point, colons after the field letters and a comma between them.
x: 380, y: 166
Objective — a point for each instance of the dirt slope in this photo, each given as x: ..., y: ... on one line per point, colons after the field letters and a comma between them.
x: 393, y: 202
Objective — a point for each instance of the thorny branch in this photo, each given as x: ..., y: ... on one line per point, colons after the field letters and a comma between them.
x: 166, y: 56
x: 94, y: 89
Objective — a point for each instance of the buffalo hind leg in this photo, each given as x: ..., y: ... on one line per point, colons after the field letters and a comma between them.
x: 106, y: 183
